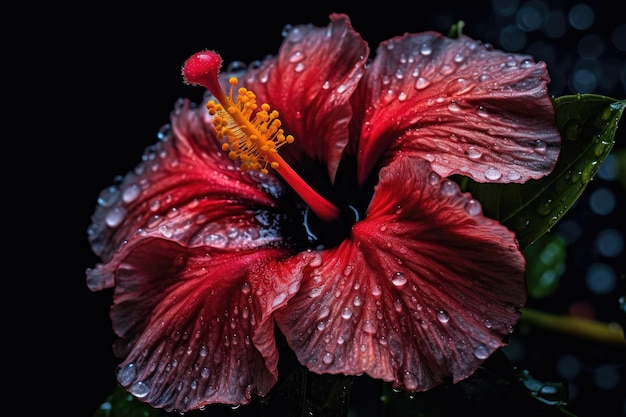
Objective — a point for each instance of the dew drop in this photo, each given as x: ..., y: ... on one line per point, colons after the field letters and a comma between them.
x: 433, y: 178
x: 481, y: 352
x: 376, y: 290
x: 448, y: 188
x: 280, y: 297
x: 492, y: 173
x: 115, y: 217
x: 324, y: 312
x: 297, y: 56
x: 421, y: 83
x: 369, y: 327
x: 473, y: 207
x: 398, y: 279
x: 131, y: 193
x: 410, y: 381
x: 127, y: 374
x: 474, y: 153
x: 482, y: 112
x: 139, y: 389
x: 328, y: 358
x: 540, y: 146
x: 514, y: 176
x: 108, y: 196
x: 315, y: 292
x: 426, y: 49
x: 454, y: 107
x: 346, y: 313
x: 443, y: 316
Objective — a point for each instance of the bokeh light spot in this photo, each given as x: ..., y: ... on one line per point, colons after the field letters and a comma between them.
x: 554, y: 24
x: 609, y: 243
x: 602, y: 201
x: 568, y: 366
x: 529, y: 17
x: 606, y: 377
x: 505, y: 8
x: 618, y: 37
x: 600, y: 278
x: 512, y: 38
x: 581, y: 16
x: 591, y: 46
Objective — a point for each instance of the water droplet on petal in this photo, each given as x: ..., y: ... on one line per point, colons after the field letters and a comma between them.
x: 410, y: 381
x: 492, y: 173
x: 454, y: 107
x: 369, y: 327
x: 139, y: 389
x: 421, y: 83
x: 481, y: 352
x: 131, y: 193
x: 115, y: 217
x: 127, y: 374
x: 426, y: 49
x: 474, y: 153
x: 108, y: 196
x: 473, y: 207
x: 398, y: 279
x: 514, y: 176
x: 280, y: 297
x: 324, y: 312
x: 448, y: 188
x: 443, y: 316
x: 297, y: 56
x: 315, y: 292
x: 433, y: 178
x: 346, y: 313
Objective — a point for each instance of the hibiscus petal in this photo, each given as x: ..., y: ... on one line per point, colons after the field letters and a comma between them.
x: 463, y: 106
x: 193, y: 328
x: 186, y: 190
x: 424, y: 289
x: 310, y: 82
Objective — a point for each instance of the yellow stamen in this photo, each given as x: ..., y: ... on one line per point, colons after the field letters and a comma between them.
x: 253, y: 138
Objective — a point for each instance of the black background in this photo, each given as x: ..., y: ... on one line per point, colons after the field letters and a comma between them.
x: 86, y: 86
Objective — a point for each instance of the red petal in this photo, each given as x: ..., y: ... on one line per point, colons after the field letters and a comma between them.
x: 195, y: 325
x: 310, y: 83
x: 466, y: 108
x: 186, y: 190
x: 425, y: 288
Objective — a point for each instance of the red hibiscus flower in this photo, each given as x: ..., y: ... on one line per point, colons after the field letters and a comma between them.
x: 352, y: 240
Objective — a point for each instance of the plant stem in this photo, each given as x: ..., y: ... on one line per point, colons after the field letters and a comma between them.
x: 611, y: 333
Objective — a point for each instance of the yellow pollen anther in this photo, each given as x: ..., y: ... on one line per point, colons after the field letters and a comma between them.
x: 252, y: 136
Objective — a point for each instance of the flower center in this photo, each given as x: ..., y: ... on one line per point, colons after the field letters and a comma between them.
x: 250, y: 134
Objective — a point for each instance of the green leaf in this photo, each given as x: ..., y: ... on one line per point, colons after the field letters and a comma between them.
x: 587, y: 123
x: 495, y: 389
x: 545, y: 265
x: 456, y: 30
